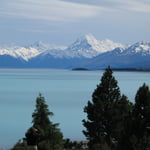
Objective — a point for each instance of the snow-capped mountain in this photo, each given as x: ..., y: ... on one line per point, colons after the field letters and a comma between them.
x: 20, y: 52
x: 87, y: 46
x: 142, y: 48
x: 85, y: 52
x: 84, y: 47
x: 134, y: 56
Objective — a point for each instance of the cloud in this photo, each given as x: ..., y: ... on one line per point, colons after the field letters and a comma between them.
x: 54, y: 11
x: 48, y: 10
x: 130, y: 5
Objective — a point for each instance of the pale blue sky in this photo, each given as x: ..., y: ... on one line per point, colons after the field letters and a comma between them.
x: 60, y: 22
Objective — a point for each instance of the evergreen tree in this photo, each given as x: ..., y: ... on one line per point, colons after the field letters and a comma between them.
x: 50, y: 131
x: 104, y: 113
x: 126, y: 126
x: 136, y: 132
x: 122, y: 110
x: 141, y: 115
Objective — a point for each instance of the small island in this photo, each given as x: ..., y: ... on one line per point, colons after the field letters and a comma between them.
x: 80, y: 69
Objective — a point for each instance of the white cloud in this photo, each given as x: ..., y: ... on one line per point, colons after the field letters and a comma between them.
x: 132, y: 5
x: 50, y: 10
x: 69, y: 11
x: 140, y: 7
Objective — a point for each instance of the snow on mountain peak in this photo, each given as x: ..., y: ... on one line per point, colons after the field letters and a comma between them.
x: 89, y: 42
x: 91, y: 39
x: 95, y: 44
x: 25, y: 53
x: 20, y: 52
x: 139, y: 47
x: 83, y: 47
x: 108, y: 45
x: 82, y: 42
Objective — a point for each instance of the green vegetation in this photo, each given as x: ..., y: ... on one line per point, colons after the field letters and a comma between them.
x: 112, y: 123
x: 50, y: 131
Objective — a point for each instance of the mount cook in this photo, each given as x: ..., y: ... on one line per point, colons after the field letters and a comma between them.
x: 86, y: 52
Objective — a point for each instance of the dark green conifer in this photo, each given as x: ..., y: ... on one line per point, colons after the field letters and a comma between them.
x: 141, y: 115
x: 50, y: 131
x: 136, y: 132
x: 105, y: 113
x: 122, y: 109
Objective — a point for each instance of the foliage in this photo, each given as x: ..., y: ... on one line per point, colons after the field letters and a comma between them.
x: 136, y: 134
x: 76, y: 145
x: 50, y: 131
x: 106, y: 104
x: 111, y: 118
x: 141, y: 116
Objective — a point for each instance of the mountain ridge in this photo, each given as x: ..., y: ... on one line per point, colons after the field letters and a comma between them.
x: 122, y: 58
x: 85, y: 52
x: 84, y: 46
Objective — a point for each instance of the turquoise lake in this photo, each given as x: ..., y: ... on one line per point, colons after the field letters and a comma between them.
x: 66, y: 92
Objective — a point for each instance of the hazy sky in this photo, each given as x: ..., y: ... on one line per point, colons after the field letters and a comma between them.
x: 60, y: 22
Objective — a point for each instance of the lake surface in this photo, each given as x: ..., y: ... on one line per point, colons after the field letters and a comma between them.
x: 66, y: 93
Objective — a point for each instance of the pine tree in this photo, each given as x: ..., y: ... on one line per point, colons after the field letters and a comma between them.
x: 125, y: 125
x: 141, y: 115
x: 136, y: 132
x: 101, y: 113
x: 122, y: 110
x: 50, y: 131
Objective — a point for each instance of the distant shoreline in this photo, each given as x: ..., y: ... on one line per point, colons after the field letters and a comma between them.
x: 114, y: 69
x: 131, y: 69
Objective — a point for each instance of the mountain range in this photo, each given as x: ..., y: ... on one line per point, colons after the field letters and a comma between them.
x: 86, y: 52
